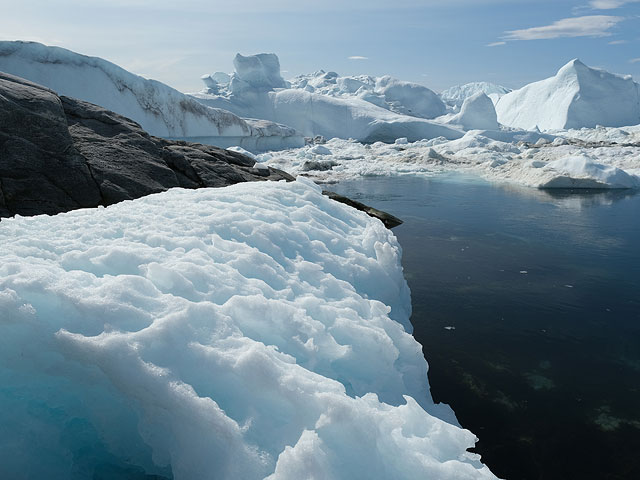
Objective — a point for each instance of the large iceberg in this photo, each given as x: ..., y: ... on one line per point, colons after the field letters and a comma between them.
x: 363, y: 108
x: 158, y: 108
x: 244, y: 332
x: 577, y: 96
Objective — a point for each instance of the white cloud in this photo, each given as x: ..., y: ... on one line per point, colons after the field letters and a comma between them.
x: 495, y: 44
x: 587, y: 26
x: 358, y: 57
x: 609, y: 4
x: 618, y: 42
x: 634, y: 60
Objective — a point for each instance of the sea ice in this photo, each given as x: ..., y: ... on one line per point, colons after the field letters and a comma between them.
x: 526, y: 158
x: 259, y: 330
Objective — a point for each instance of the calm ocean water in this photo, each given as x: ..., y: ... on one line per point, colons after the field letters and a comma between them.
x: 527, y: 304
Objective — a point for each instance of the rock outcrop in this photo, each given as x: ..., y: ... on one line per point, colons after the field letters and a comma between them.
x: 58, y: 154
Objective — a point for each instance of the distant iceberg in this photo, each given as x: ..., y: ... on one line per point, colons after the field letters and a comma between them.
x: 364, y: 109
x: 456, y: 95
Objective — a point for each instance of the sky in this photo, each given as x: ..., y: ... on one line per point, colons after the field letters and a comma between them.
x: 438, y: 43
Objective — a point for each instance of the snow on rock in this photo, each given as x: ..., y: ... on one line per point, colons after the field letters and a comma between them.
x: 242, y: 332
x: 577, y: 96
x: 477, y: 113
x: 158, y: 108
x: 456, y: 95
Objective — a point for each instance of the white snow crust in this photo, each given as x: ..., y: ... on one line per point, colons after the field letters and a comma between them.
x: 158, y: 108
x: 576, y: 97
x: 259, y: 330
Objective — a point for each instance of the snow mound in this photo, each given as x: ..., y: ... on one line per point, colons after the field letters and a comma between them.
x: 577, y: 96
x: 233, y: 333
x: 477, y: 113
x: 325, y: 104
x: 158, y: 108
x: 456, y: 95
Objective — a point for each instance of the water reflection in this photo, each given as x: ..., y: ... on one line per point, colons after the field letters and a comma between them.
x: 527, y: 303
x: 574, y: 199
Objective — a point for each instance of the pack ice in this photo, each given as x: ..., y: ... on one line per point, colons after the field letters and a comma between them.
x: 364, y: 108
x: 254, y: 331
x: 158, y: 108
x: 577, y: 96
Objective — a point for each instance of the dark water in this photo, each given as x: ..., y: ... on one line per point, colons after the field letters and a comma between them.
x: 527, y: 305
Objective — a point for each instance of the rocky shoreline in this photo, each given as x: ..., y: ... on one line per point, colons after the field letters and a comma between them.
x: 58, y: 154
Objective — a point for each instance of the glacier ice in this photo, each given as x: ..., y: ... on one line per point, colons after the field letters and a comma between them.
x: 244, y: 332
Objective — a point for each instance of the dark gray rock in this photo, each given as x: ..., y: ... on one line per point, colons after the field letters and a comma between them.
x: 59, y: 153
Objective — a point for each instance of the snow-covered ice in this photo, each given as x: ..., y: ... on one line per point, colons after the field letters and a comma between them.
x: 158, y: 108
x: 259, y: 330
x: 577, y: 96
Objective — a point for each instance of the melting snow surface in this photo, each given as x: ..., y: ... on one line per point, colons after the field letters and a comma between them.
x: 258, y: 330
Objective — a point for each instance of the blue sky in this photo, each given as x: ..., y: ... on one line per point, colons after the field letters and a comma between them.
x: 438, y: 43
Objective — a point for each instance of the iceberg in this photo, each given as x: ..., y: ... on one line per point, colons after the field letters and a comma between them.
x: 577, y: 96
x: 159, y: 109
x: 363, y: 108
x: 246, y: 332
x: 456, y: 95
x: 477, y: 113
